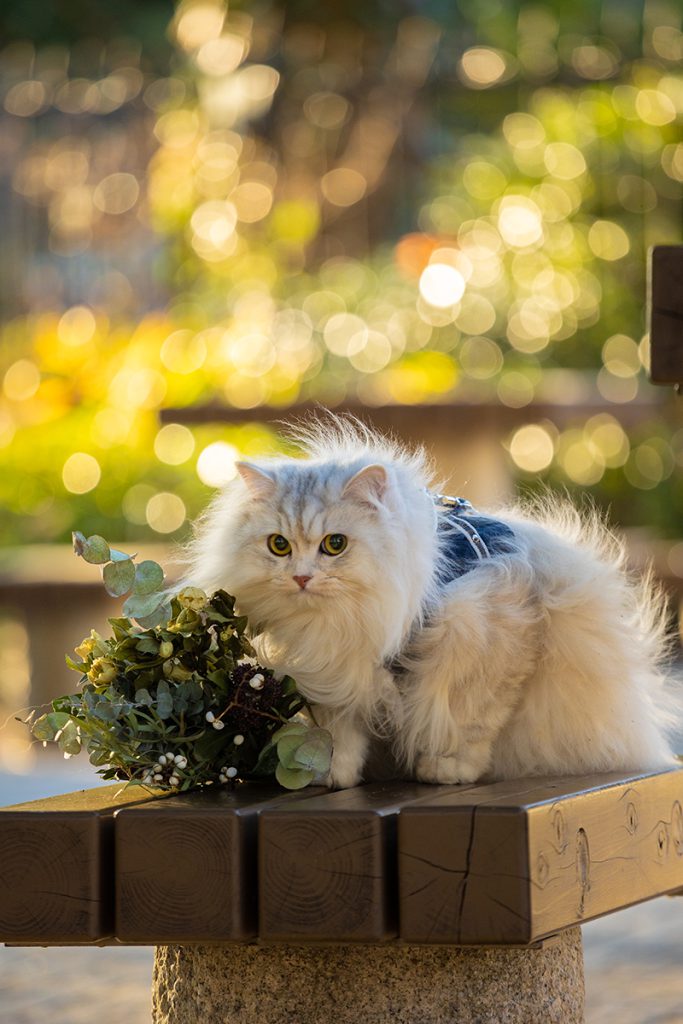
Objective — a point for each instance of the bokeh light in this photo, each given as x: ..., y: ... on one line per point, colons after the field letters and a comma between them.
x: 216, y: 464
x: 165, y: 512
x: 81, y: 473
x: 441, y: 285
x: 454, y: 208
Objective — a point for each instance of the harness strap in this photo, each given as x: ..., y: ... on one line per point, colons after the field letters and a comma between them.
x: 468, y: 539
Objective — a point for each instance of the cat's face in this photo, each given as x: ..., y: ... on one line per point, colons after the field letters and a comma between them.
x: 308, y: 538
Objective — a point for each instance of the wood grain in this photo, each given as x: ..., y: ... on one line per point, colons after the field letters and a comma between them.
x: 56, y: 873
x: 514, y: 862
x: 327, y: 869
x: 507, y: 863
x: 666, y: 314
x: 186, y: 867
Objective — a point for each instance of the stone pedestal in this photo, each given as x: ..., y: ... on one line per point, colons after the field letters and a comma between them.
x: 242, y: 984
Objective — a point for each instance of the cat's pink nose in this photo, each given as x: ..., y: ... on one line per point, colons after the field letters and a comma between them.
x: 301, y: 580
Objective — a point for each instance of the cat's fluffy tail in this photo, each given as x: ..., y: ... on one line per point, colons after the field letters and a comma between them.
x: 608, y: 644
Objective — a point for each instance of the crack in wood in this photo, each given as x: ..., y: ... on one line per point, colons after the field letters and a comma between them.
x: 466, y: 875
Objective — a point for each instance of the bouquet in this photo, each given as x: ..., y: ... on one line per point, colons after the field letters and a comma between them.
x: 175, y: 698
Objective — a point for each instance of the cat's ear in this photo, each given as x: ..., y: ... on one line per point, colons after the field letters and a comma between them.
x: 259, y: 483
x: 368, y: 485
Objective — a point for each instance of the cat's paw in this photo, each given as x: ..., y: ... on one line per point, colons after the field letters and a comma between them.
x: 344, y: 773
x: 446, y: 770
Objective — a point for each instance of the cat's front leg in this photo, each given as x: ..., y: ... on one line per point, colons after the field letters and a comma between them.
x: 350, y: 743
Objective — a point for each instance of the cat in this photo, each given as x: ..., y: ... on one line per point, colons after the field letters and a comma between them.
x: 487, y: 647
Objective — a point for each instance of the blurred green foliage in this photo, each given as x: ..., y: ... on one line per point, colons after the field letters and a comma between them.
x: 348, y: 203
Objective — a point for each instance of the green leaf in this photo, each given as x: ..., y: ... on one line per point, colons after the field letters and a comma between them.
x: 287, y: 747
x: 149, y: 577
x: 138, y: 605
x: 68, y: 739
x: 143, y: 696
x: 315, y: 753
x: 210, y: 744
x: 164, y: 702
x: 118, y: 578
x: 105, y: 711
x: 47, y: 726
x: 288, y: 686
x: 148, y: 645
x: 290, y: 728
x: 93, y: 549
x: 292, y: 779
x: 159, y: 616
x: 120, y: 556
x: 267, y: 761
x: 77, y: 666
x: 122, y: 627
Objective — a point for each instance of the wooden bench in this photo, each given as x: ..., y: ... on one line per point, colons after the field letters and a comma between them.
x: 391, y: 866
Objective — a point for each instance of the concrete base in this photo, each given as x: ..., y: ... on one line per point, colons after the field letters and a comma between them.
x: 369, y: 984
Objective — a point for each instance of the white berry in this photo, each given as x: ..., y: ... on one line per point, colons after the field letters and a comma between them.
x: 238, y: 740
x: 162, y: 759
x: 158, y: 778
x: 174, y: 781
x: 218, y: 724
x: 256, y: 682
x: 231, y: 773
x: 210, y: 716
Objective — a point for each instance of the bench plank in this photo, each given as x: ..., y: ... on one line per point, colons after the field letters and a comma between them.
x: 57, y: 861
x: 186, y: 868
x: 505, y: 863
x: 327, y: 869
x: 517, y: 861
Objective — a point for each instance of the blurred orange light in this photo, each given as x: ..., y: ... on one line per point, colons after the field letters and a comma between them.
x: 413, y: 252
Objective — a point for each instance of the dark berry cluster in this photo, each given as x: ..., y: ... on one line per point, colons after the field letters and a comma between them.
x: 256, y: 693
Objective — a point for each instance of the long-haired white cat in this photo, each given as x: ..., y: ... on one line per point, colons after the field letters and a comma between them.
x: 488, y: 647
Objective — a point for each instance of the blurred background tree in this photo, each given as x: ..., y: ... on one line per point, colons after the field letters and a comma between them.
x: 213, y: 211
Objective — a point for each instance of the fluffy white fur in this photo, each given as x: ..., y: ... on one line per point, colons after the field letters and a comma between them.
x: 541, y: 661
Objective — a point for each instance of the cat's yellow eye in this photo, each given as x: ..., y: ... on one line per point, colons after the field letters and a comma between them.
x: 279, y: 545
x: 333, y: 544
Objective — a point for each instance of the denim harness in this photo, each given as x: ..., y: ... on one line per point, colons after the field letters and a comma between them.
x: 468, y: 538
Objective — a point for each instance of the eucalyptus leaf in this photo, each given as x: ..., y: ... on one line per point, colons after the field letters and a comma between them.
x: 143, y: 696
x: 164, y: 701
x: 105, y: 711
x: 69, y: 740
x: 293, y: 779
x: 139, y: 606
x: 287, y: 748
x: 118, y: 578
x: 290, y: 728
x: 149, y: 577
x: 47, y: 726
x: 93, y: 549
x: 120, y: 556
x: 160, y: 615
x: 315, y: 753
